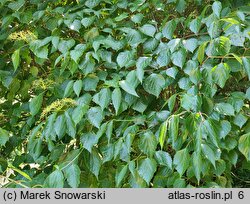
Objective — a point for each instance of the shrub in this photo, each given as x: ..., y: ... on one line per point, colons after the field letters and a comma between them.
x: 97, y: 93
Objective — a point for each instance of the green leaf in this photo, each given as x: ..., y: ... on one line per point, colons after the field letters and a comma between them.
x: 220, y: 167
x: 25, y: 175
x: 65, y: 45
x: 77, y: 52
x: 225, y: 128
x: 233, y: 157
x: 237, y: 58
x: 117, y: 148
x: 109, y: 130
x: 248, y: 93
x: 72, y: 174
x: 181, y: 161
x: 140, y: 105
x: 163, y: 158
x: 128, y: 88
x: 71, y: 129
x: 163, y: 133
x: 60, y: 125
x: 88, y: 140
x: 163, y: 58
x: 201, y: 52
x: 36, y: 104
x: 134, y: 37
x: 120, y: 174
x: 77, y: 87
x: 69, y: 89
x: 179, y: 183
x: 224, y: 109
x: 217, y: 7
x: 116, y: 99
x: 154, y: 84
x: 131, y: 167
x: 190, y: 44
x: 95, y: 163
x: 90, y: 83
x: 42, y: 52
x: 241, y: 15
x: 103, y: 98
x: 95, y: 116
x: 230, y: 20
x: 105, y: 55
x: 75, y: 25
x: 110, y: 42
x: 220, y: 46
x: 55, y: 41
x: 102, y: 130
x: 147, y: 168
x: 207, y: 105
x: 181, y: 6
x: 240, y: 120
x: 16, y: 5
x: 244, y: 145
x: 148, y: 143
x: 168, y: 29
x: 150, y: 45
x: 195, y: 25
x: 213, y: 29
x: 208, y: 153
x: 70, y: 158
x: 16, y: 59
x: 3, y: 165
x: 171, y: 102
x: 246, y: 65
x: 230, y: 143
x: 148, y: 29
x: 4, y: 137
x: 141, y: 64
x: 107, y: 153
x: 34, y: 71
x: 121, y: 17
x: 221, y: 74
x: 212, y: 131
x: 172, y: 72
x: 197, y: 165
x: 179, y: 58
x: 184, y: 83
x: 92, y: 3
x: 48, y: 130
x: 137, y: 18
x: 190, y: 102
x: 130, y: 83
x: 124, y: 58
x: 174, y: 127
x: 198, y: 138
x: 136, y: 181
x: 91, y: 34
x: 86, y: 22
x: 54, y: 180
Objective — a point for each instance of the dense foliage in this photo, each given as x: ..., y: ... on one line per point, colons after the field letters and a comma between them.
x: 119, y: 93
